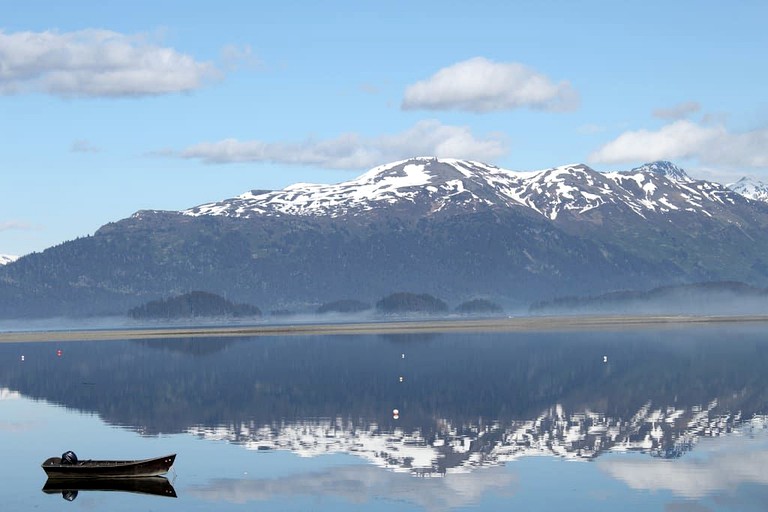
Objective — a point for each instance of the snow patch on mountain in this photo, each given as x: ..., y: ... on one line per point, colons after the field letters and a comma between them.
x: 751, y: 188
x: 7, y: 258
x: 398, y: 182
x: 663, y: 431
x: 431, y: 184
x: 664, y: 168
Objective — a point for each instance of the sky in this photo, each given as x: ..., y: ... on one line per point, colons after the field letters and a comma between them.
x: 108, y: 107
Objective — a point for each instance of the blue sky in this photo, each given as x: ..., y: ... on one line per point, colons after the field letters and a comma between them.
x: 110, y: 107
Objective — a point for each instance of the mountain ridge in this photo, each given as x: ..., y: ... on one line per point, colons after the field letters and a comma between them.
x: 454, y: 229
x: 750, y: 188
x: 654, y: 187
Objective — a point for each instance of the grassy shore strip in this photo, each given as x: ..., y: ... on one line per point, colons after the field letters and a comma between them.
x: 533, y: 323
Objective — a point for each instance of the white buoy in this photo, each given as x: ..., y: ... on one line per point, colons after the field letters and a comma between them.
x: 402, y: 356
x: 605, y: 359
x: 22, y: 358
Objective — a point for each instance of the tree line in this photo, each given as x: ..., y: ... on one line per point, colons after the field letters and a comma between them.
x: 207, y: 304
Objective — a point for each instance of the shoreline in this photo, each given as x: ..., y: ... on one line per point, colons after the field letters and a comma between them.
x: 514, y: 324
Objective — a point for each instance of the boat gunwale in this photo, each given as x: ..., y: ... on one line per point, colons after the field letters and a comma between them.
x: 109, y: 468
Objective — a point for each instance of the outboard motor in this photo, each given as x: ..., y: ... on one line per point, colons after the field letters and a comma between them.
x: 69, y: 457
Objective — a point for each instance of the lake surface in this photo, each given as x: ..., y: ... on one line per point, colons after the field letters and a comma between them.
x: 669, y: 419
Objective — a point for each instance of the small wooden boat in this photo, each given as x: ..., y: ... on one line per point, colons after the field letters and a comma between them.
x: 67, y: 468
x: 69, y: 487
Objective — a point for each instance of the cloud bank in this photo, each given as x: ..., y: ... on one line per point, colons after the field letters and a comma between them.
x: 14, y: 225
x: 362, y: 485
x: 723, y: 466
x: 353, y: 151
x: 481, y: 85
x: 95, y: 63
x: 83, y: 146
x: 710, y: 145
x: 679, y: 111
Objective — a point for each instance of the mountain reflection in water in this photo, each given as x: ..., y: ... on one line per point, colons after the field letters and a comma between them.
x: 464, y: 401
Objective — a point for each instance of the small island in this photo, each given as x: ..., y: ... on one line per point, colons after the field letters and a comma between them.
x: 478, y: 307
x: 404, y: 302
x: 196, y: 304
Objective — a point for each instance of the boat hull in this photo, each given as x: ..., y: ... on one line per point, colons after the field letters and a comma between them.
x: 108, y: 468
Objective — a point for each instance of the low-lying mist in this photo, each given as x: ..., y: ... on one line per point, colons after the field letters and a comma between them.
x: 705, y: 299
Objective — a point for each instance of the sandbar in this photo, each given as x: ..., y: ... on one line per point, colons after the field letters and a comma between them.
x: 479, y: 325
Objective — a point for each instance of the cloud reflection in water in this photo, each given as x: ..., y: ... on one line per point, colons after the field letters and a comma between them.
x: 358, y: 484
x: 721, y: 465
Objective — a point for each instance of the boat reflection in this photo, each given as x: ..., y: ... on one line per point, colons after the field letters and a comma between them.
x: 69, y: 487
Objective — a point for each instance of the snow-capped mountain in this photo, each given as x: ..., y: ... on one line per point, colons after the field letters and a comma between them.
x: 431, y: 185
x: 659, y: 431
x: 457, y: 229
x: 664, y: 168
x: 751, y: 188
x: 7, y: 258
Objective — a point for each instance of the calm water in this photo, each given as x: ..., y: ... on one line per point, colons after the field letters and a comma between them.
x: 668, y: 420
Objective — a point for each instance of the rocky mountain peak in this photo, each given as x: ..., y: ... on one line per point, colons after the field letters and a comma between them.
x: 425, y: 182
x: 750, y: 188
x: 665, y: 168
x: 430, y: 186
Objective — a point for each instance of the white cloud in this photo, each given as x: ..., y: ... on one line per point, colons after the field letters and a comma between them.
x: 481, y: 85
x: 748, y: 149
x: 235, y: 57
x: 95, y: 63
x: 590, y: 129
x: 709, y: 145
x: 363, y: 484
x: 681, y: 139
x: 679, y: 111
x: 721, y: 466
x: 369, y: 88
x: 16, y: 225
x: 83, y: 146
x: 352, y: 151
